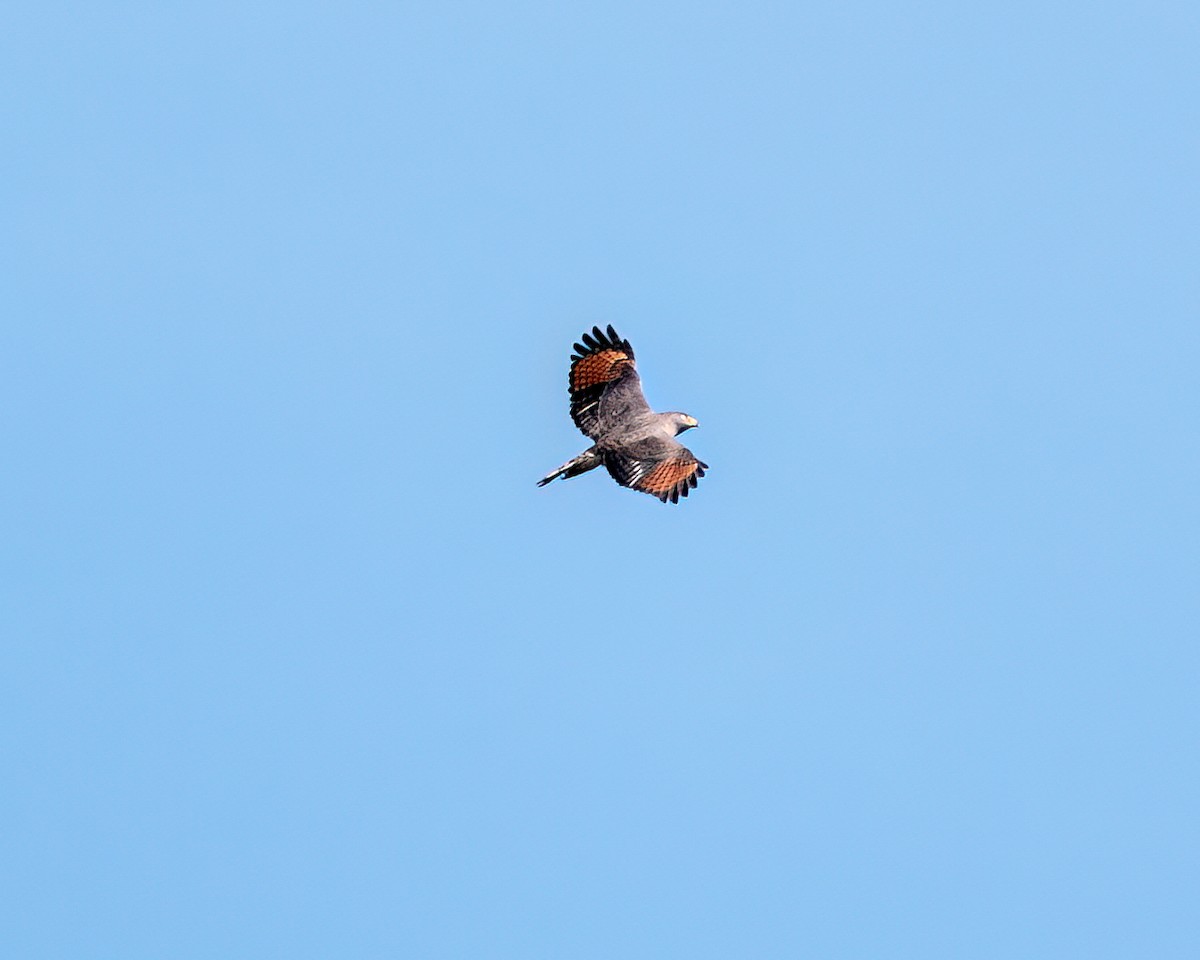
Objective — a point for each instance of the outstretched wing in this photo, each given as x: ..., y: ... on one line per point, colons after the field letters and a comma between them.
x: 604, y: 382
x: 662, y: 468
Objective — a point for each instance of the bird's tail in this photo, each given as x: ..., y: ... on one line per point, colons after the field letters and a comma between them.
x: 588, y: 460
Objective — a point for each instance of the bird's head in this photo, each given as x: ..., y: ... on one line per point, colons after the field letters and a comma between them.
x: 683, y: 422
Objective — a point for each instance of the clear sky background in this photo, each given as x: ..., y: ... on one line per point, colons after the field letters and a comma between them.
x: 298, y: 662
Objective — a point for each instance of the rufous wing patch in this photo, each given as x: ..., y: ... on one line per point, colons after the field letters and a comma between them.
x: 667, y: 474
x: 597, y: 368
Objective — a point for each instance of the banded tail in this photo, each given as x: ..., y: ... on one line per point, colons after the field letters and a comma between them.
x: 588, y: 460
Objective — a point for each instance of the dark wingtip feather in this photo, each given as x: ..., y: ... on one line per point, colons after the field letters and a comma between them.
x: 592, y: 344
x: 612, y: 335
x: 600, y: 337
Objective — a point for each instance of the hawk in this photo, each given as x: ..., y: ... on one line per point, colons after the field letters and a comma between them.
x: 636, y: 445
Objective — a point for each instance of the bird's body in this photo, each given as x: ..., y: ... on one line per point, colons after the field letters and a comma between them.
x: 636, y: 445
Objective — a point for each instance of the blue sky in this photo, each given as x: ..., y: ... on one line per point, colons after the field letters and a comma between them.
x: 299, y: 663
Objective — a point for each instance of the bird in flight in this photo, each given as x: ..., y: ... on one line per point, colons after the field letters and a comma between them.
x: 636, y: 445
